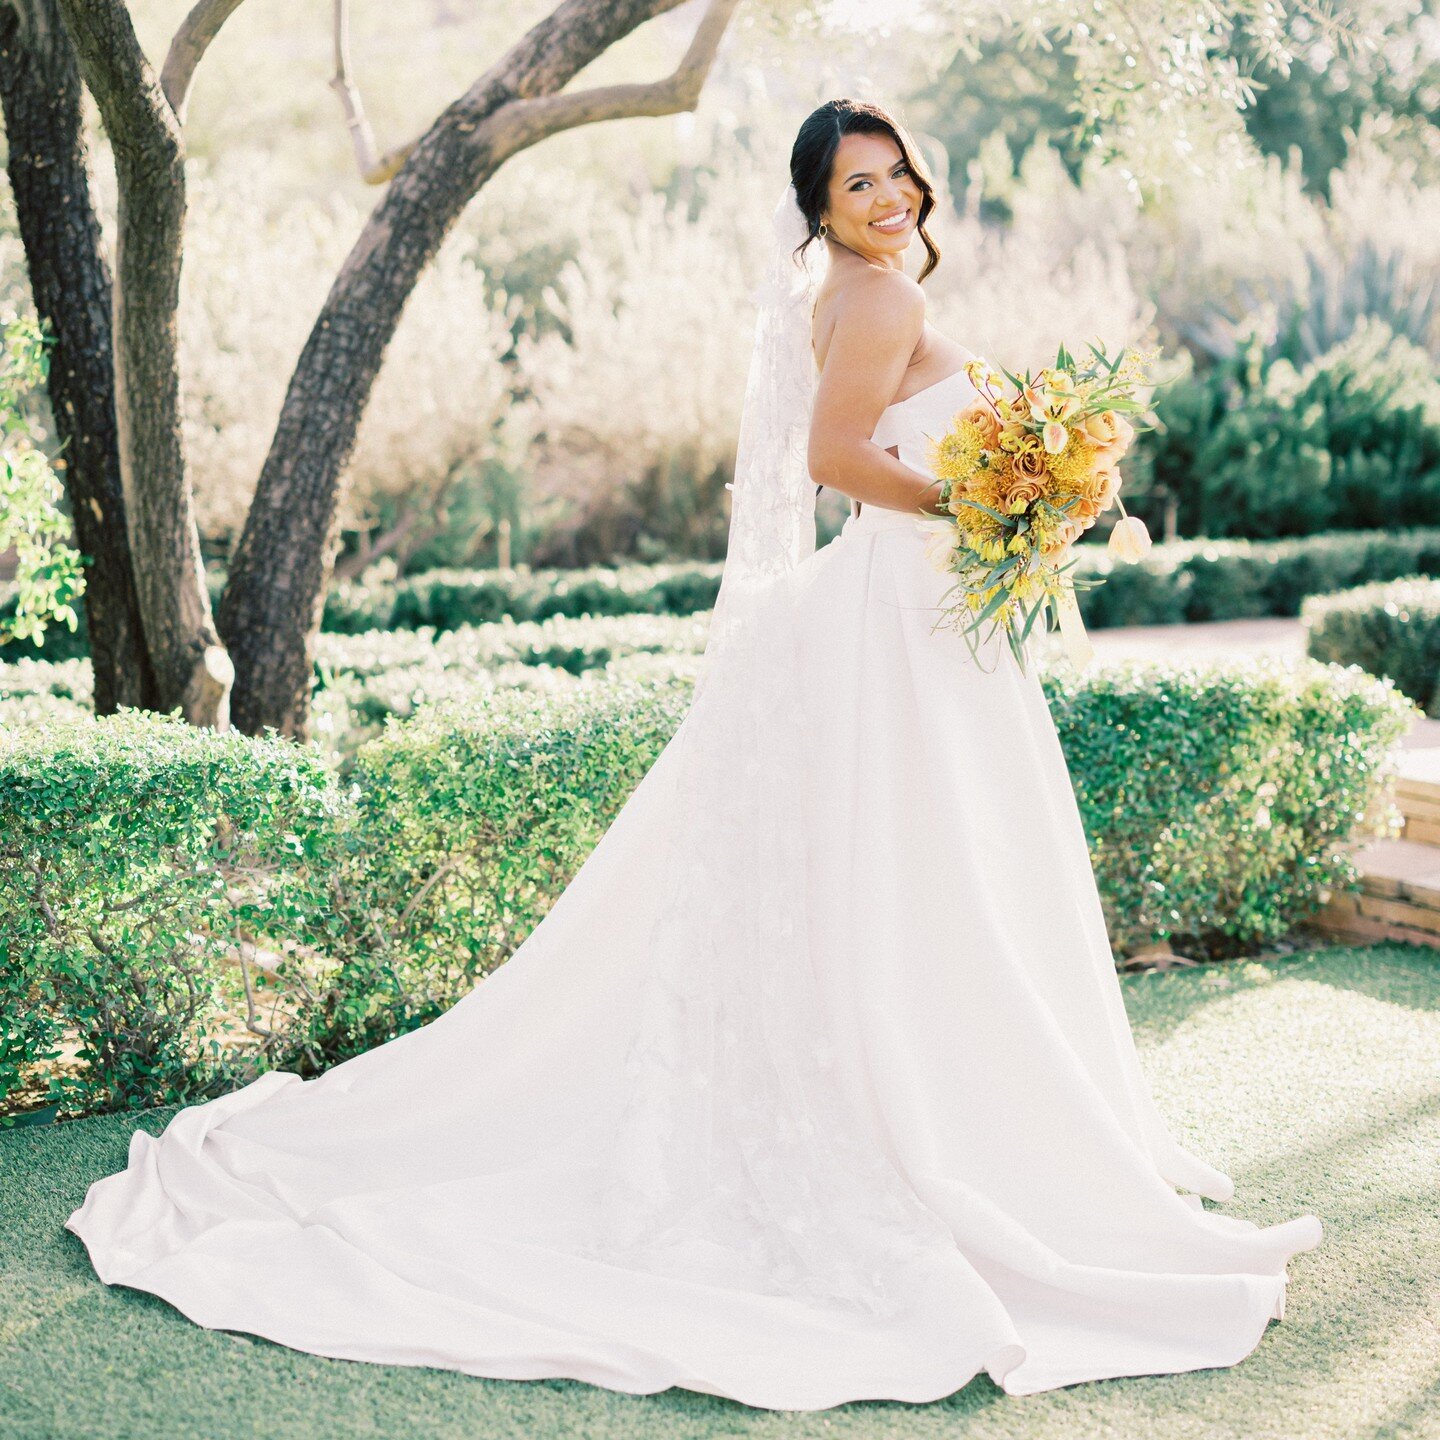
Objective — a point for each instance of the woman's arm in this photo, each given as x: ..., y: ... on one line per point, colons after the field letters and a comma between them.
x: 878, y: 323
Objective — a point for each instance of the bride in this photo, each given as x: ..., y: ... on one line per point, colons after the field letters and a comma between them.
x: 815, y: 1084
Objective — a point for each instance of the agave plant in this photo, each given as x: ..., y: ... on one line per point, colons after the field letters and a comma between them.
x: 1300, y: 322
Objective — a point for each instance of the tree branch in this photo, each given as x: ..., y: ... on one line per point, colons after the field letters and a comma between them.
x: 521, y: 72
x: 191, y: 41
x: 135, y: 113
x: 375, y: 169
x: 521, y: 123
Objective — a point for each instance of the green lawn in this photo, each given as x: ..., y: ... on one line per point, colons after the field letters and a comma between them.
x: 1314, y: 1079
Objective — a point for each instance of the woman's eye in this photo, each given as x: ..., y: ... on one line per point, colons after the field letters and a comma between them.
x: 899, y: 170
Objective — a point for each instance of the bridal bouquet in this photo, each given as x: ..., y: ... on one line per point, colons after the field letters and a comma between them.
x: 1028, y: 466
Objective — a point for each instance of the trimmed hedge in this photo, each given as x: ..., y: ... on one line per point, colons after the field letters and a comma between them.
x: 173, y: 864
x: 1388, y: 629
x: 137, y: 856
x: 1197, y: 580
x: 448, y: 599
x: 469, y: 821
x: 1220, y: 799
x: 1184, y: 580
x: 1176, y: 582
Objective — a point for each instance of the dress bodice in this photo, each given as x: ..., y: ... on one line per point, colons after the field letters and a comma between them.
x: 909, y: 422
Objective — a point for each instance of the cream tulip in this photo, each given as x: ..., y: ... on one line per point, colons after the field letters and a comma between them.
x: 1129, y: 540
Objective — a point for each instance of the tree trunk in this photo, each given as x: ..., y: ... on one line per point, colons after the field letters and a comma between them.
x: 192, y: 670
x: 270, y: 612
x: 49, y: 169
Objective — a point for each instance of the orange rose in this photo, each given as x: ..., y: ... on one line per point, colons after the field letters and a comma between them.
x: 1112, y: 487
x: 981, y: 415
x: 1023, y: 492
x: 1029, y: 465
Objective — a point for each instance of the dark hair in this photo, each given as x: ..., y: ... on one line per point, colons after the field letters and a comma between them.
x: 812, y: 158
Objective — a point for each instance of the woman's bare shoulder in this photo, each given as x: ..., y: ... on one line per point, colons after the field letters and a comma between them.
x: 864, y: 289
x: 870, y: 300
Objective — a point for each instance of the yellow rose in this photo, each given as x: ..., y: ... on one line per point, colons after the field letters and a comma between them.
x: 1108, y: 431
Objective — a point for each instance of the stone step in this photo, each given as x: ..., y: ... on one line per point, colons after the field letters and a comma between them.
x: 1417, y: 793
x: 1399, y: 897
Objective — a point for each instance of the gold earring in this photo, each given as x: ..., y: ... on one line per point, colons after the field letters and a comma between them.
x: 824, y: 229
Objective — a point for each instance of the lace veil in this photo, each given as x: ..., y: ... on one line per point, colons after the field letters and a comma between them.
x: 772, y: 508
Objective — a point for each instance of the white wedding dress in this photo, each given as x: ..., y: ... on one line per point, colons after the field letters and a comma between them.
x: 844, y: 1109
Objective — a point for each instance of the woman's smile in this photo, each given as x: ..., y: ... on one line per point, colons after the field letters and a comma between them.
x: 895, y: 220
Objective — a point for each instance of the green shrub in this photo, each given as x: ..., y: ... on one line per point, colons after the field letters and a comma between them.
x: 448, y: 599
x: 1259, y: 448
x: 140, y: 860
x: 1219, y: 798
x: 159, y: 883
x: 469, y: 821
x: 1388, y: 629
x: 1185, y: 580
x: 1196, y: 580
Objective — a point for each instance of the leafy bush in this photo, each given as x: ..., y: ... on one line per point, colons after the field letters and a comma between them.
x: 1350, y: 441
x: 141, y: 860
x: 449, y: 599
x: 576, y: 645
x: 159, y: 885
x: 1388, y: 629
x: 446, y: 599
x: 1194, y: 580
x: 469, y: 822
x: 1184, y: 580
x: 1219, y: 798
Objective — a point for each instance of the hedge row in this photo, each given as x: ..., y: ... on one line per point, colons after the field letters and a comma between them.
x: 1184, y: 580
x: 1388, y: 629
x: 1197, y: 580
x: 447, y: 599
x: 183, y: 910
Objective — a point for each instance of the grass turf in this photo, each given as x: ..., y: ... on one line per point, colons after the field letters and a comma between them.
x: 1313, y: 1079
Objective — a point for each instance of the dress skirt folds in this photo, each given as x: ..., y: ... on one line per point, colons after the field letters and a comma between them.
x: 847, y: 1108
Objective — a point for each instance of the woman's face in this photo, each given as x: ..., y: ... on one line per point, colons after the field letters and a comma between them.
x: 870, y: 184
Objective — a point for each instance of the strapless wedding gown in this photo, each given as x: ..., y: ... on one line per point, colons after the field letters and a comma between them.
x: 911, y: 1142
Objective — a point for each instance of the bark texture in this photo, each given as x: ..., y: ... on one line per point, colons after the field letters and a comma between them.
x: 49, y: 169
x: 191, y: 668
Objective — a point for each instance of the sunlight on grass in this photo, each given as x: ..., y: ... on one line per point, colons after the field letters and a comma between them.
x: 1312, y: 1079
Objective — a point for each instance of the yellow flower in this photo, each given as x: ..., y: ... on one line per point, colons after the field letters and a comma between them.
x: 1109, y: 432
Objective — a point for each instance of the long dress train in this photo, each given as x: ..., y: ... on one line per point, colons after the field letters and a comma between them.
x: 844, y: 1108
